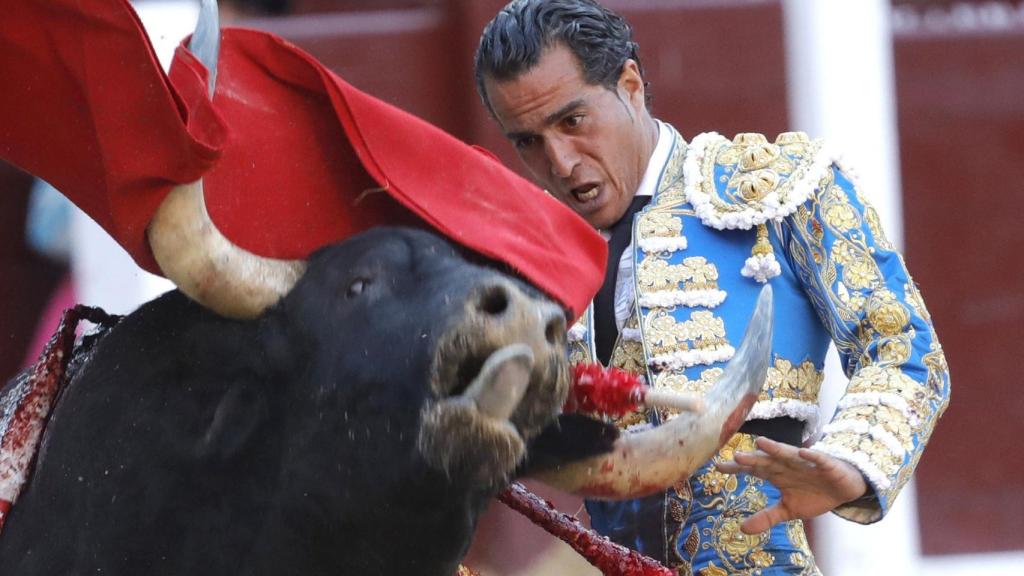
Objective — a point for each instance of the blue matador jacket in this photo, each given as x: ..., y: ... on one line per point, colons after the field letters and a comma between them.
x: 730, y: 215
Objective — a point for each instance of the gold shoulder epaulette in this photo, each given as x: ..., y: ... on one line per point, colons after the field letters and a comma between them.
x: 748, y: 181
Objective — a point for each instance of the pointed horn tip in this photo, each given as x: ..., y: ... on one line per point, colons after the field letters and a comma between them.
x: 765, y: 298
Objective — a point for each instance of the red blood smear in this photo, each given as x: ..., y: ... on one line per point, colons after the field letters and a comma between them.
x: 609, y: 391
x: 45, y: 383
x: 607, y: 556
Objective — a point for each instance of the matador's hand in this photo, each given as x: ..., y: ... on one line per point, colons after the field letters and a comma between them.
x: 811, y: 482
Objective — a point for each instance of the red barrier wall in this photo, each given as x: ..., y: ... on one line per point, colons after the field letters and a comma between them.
x: 961, y: 119
x: 712, y: 65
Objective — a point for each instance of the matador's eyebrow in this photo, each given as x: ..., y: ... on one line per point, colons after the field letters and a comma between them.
x: 550, y: 118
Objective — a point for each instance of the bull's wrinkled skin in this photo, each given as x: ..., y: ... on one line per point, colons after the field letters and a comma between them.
x: 290, y: 444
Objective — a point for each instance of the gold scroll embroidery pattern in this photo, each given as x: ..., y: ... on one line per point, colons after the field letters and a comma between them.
x: 740, y: 553
x: 703, y: 331
x: 694, y: 273
x: 752, y: 168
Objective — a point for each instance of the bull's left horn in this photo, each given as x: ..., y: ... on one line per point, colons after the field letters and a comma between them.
x: 208, y: 267
x: 645, y: 462
x: 190, y: 249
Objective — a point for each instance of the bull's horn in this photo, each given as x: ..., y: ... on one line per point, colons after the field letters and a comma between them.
x: 190, y: 249
x: 502, y: 382
x: 646, y: 462
x: 204, y: 264
x: 205, y: 42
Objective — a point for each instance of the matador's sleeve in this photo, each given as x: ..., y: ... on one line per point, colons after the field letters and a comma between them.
x: 899, y: 380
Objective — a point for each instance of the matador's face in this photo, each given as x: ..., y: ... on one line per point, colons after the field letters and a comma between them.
x: 586, y: 144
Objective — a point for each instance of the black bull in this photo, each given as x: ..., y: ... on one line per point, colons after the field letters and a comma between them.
x: 328, y: 436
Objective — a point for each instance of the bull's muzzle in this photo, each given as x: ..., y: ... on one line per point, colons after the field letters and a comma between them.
x: 500, y: 376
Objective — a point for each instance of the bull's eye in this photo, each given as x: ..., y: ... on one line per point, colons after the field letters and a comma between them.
x: 357, y: 286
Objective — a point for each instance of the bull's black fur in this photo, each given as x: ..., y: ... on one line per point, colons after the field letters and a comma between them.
x: 194, y: 445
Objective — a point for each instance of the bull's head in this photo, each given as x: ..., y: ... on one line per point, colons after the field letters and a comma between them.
x: 418, y: 379
x: 463, y: 361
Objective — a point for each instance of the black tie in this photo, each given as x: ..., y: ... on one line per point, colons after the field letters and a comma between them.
x: 605, y: 329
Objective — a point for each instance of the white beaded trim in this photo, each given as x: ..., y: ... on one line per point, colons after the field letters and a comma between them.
x: 657, y: 244
x: 861, y: 428
x: 771, y: 206
x: 858, y: 460
x: 761, y: 267
x: 577, y: 333
x: 687, y: 358
x: 889, y: 399
x: 691, y: 298
x: 798, y: 409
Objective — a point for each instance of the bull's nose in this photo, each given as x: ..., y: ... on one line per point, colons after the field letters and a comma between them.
x: 553, y: 320
x: 493, y: 300
x: 508, y: 305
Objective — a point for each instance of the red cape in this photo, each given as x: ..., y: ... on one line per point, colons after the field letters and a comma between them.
x: 289, y: 152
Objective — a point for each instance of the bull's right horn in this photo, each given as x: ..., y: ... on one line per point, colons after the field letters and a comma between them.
x: 189, y: 248
x: 646, y: 462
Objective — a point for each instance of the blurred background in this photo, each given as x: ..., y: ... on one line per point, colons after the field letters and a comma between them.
x: 925, y: 96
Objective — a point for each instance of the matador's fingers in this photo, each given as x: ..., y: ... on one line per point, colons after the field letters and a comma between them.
x: 764, y: 520
x: 731, y: 467
x: 776, y: 449
x: 756, y: 458
x: 819, y: 459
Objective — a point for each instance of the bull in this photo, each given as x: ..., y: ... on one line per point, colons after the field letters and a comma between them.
x: 359, y: 426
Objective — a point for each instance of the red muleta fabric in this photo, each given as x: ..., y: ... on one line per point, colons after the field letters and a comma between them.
x: 287, y: 149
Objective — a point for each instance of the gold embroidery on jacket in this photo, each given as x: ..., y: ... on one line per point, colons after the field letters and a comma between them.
x: 671, y: 191
x: 734, y: 500
x: 913, y: 297
x: 703, y: 331
x: 788, y: 382
x: 628, y: 355
x: 752, y: 168
x: 938, y: 370
x: 659, y: 224
x: 875, y: 225
x: 785, y: 381
x: 694, y: 273
x: 681, y: 383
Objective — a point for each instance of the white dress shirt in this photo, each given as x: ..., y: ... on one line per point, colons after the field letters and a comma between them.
x: 648, y: 185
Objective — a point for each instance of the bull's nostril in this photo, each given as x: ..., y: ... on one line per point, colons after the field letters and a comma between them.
x: 493, y: 300
x: 554, y: 331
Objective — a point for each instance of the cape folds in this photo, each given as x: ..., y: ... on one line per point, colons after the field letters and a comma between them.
x: 292, y: 156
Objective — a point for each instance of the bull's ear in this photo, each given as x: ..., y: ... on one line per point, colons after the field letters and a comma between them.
x: 237, y: 418
x: 572, y: 437
x: 280, y: 355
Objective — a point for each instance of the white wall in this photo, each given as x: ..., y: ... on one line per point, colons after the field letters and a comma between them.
x: 839, y: 60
